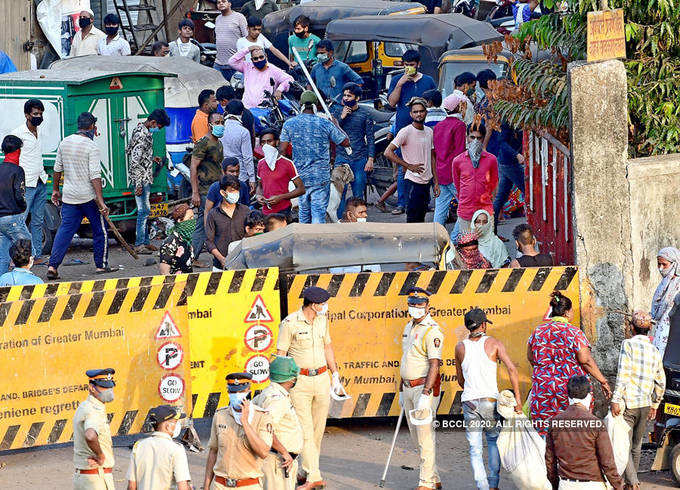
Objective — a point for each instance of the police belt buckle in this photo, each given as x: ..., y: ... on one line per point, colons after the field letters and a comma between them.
x: 231, y: 482
x: 312, y: 372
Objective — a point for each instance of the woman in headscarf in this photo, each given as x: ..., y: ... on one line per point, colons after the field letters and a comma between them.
x: 557, y: 350
x: 667, y: 259
x: 491, y: 247
x: 467, y: 255
x: 176, y: 251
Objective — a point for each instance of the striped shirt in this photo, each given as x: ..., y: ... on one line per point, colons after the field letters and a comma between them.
x: 78, y: 158
x: 641, y: 380
x: 228, y: 29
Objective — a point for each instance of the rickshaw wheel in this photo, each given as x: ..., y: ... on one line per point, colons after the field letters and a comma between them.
x: 675, y: 462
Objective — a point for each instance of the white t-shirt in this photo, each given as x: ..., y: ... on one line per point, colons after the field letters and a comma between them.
x: 244, y: 43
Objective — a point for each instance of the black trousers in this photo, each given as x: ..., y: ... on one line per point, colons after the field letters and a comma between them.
x: 418, y: 200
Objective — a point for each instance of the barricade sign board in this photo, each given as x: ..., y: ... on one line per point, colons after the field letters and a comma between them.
x: 368, y: 312
x: 233, y: 318
x: 48, y: 341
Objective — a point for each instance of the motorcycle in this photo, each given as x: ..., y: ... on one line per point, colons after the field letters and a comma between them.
x: 466, y: 7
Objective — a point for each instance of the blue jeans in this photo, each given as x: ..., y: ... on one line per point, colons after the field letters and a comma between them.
x: 36, y: 198
x: 313, y: 203
x: 71, y: 217
x: 482, y: 411
x: 12, y: 228
x: 198, y: 238
x: 507, y: 176
x: 358, y: 185
x: 226, y: 71
x: 402, y: 188
x: 443, y: 202
x: 143, y: 212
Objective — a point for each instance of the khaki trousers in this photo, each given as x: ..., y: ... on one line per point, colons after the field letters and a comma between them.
x: 103, y: 481
x: 274, y: 477
x: 423, y: 437
x: 581, y: 485
x: 311, y: 399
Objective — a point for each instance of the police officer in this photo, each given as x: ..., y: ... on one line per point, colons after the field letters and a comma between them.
x: 240, y: 439
x: 422, y: 344
x: 280, y: 467
x: 157, y: 461
x: 92, y: 445
x: 304, y: 335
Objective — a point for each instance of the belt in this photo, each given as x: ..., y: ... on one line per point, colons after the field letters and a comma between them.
x: 574, y: 480
x: 421, y: 381
x: 94, y: 471
x: 313, y: 372
x: 233, y: 482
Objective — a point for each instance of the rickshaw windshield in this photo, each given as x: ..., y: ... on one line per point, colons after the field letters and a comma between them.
x: 451, y: 70
x: 396, y: 50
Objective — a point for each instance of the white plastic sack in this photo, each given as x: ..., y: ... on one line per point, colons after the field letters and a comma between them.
x: 619, y: 435
x: 522, y: 453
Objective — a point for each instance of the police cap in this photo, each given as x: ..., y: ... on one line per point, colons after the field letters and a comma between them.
x: 102, y: 377
x: 418, y: 296
x: 162, y: 413
x: 315, y: 294
x: 237, y: 382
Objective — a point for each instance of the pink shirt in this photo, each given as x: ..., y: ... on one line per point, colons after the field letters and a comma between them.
x: 475, y: 186
x: 255, y: 82
x: 416, y: 148
x: 449, y: 142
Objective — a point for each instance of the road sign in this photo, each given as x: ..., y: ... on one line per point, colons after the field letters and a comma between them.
x: 258, y: 312
x: 171, y: 387
x: 258, y: 338
x: 170, y: 355
x: 167, y: 329
x: 258, y: 366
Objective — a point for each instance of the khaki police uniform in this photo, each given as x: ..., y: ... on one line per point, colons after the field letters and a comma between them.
x: 305, y: 342
x: 287, y: 430
x: 420, y: 343
x: 91, y: 414
x: 235, y: 459
x: 158, y: 462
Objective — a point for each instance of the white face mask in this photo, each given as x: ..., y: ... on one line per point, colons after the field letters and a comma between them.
x: 664, y: 272
x: 362, y: 220
x: 236, y: 399
x: 323, y: 310
x: 106, y: 396
x: 232, y: 197
x: 177, y: 430
x: 271, y: 154
x: 585, y: 401
x: 416, y: 312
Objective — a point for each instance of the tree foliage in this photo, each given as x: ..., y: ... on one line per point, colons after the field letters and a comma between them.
x: 540, y: 98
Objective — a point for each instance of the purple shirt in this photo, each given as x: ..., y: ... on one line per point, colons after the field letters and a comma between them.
x: 255, y: 82
x: 449, y: 142
x: 228, y: 29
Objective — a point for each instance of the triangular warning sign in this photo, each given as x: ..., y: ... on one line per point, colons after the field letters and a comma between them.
x: 258, y: 313
x: 116, y: 84
x: 167, y: 329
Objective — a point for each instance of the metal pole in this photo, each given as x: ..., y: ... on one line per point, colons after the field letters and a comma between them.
x: 311, y: 83
x: 394, y: 440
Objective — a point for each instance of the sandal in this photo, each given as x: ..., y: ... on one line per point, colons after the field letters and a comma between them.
x: 52, y: 275
x: 106, y: 270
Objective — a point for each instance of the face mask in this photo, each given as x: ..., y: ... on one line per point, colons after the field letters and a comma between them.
x: 13, y: 157
x: 36, y: 121
x: 111, y: 31
x: 106, y: 396
x: 185, y: 229
x: 90, y: 133
x: 271, y: 154
x: 236, y: 399
x: 322, y: 58
x: 350, y: 103
x: 177, y: 431
x: 154, y: 130
x: 416, y: 312
x: 300, y: 34
x: 231, y: 197
x: 260, y: 64
x: 218, y: 130
x: 410, y: 70
x: 475, y: 151
x: 662, y: 271
x: 585, y: 401
x: 470, y: 92
x: 323, y: 310
x: 362, y: 220
x: 83, y: 22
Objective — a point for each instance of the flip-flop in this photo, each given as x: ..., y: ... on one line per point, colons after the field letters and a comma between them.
x: 107, y: 270
x: 52, y: 275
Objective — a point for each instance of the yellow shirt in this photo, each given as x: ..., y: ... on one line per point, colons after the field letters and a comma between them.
x: 91, y: 414
x: 419, y: 344
x: 287, y: 428
x: 304, y: 341
x: 235, y: 458
x: 158, y: 461
x: 88, y: 45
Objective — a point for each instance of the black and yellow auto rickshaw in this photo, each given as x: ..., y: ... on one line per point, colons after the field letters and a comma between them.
x: 432, y: 35
x: 456, y: 61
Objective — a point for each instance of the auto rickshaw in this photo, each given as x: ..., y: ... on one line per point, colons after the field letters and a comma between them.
x: 473, y: 60
x: 667, y: 426
x: 432, y: 35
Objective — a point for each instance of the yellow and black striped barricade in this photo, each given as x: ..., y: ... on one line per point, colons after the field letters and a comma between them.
x: 368, y: 312
x: 47, y: 341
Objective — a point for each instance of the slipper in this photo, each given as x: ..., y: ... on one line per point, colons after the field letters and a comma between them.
x: 52, y: 275
x: 107, y: 270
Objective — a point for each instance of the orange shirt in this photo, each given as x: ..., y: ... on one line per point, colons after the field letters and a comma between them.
x: 199, y: 126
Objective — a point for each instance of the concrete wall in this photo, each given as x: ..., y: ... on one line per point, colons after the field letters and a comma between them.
x: 654, y: 184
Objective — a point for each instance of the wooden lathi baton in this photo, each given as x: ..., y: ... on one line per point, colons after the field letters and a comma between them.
x: 120, y: 238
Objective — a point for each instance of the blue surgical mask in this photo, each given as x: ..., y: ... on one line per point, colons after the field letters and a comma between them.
x: 259, y: 64
x: 236, y: 399
x: 154, y: 130
x: 218, y: 130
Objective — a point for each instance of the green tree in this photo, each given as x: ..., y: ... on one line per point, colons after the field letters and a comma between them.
x: 540, y: 99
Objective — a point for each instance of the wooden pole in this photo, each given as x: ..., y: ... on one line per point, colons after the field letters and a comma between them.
x: 164, y: 6
x: 120, y: 238
x: 158, y: 28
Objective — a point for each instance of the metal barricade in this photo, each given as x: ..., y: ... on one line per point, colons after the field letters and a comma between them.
x: 548, y: 195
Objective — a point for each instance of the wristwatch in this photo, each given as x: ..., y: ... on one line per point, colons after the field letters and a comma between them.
x: 427, y: 391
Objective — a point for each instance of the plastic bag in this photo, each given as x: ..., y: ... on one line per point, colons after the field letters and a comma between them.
x: 619, y: 435
x: 522, y: 453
